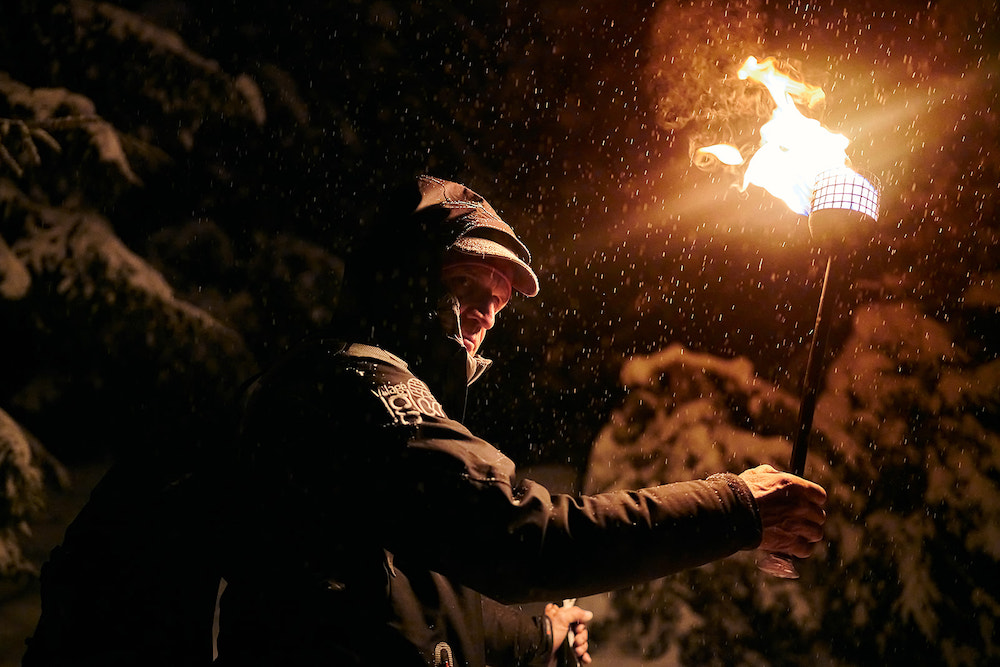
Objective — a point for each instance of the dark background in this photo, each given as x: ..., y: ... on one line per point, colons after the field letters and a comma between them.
x: 577, y: 123
x: 575, y: 120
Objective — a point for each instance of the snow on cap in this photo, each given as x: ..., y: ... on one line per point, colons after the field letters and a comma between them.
x: 484, y: 234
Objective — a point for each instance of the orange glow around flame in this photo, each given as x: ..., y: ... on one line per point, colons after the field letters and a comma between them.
x: 794, y: 148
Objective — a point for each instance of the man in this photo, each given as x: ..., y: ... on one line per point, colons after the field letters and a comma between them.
x: 372, y: 528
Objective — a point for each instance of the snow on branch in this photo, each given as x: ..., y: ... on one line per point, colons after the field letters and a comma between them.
x: 690, y: 412
x: 20, y: 495
x: 40, y: 115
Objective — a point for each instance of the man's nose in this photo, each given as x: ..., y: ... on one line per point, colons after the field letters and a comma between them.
x: 485, y: 314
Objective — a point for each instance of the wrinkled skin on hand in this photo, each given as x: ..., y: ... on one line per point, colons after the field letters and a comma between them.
x: 562, y: 619
x: 791, y: 510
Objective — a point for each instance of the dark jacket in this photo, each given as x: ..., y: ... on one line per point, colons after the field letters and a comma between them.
x: 363, y: 524
x: 372, y: 523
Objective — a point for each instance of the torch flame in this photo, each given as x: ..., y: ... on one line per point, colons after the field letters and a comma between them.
x: 725, y: 153
x: 794, y: 148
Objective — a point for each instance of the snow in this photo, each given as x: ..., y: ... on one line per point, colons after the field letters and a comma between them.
x: 912, y: 470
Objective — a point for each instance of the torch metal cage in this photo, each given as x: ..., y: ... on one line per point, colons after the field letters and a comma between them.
x: 844, y: 188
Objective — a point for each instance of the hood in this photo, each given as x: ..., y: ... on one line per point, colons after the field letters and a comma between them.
x: 393, y: 285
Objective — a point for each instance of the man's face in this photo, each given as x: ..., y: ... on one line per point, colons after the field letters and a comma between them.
x: 482, y: 291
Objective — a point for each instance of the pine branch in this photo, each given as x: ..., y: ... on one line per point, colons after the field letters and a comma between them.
x: 24, y: 137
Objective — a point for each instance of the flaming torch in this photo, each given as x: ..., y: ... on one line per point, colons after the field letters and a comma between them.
x: 806, y: 166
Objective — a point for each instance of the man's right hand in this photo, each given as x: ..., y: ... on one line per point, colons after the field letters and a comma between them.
x: 791, y: 510
x: 564, y: 618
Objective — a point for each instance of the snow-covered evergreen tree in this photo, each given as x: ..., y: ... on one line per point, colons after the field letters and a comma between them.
x: 907, y: 447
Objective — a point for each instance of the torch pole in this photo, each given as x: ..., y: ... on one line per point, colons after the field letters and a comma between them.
x: 843, y: 201
x: 813, y: 375
x: 777, y: 564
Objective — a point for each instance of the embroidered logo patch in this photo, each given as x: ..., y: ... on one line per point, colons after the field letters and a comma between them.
x: 408, y: 401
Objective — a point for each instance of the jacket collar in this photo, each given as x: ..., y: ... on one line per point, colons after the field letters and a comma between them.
x: 476, y: 366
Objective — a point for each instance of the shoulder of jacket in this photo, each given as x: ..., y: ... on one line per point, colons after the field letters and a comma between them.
x: 363, y: 351
x: 319, y: 361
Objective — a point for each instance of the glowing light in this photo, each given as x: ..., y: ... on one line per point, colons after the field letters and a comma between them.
x: 725, y: 153
x: 794, y: 149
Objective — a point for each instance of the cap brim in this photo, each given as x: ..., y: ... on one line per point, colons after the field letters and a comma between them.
x: 523, y: 279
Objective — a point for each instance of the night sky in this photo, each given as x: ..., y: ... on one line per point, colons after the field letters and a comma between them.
x: 578, y: 122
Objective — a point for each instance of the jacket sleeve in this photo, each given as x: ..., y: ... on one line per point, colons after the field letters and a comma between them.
x: 512, y: 637
x: 380, y: 460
